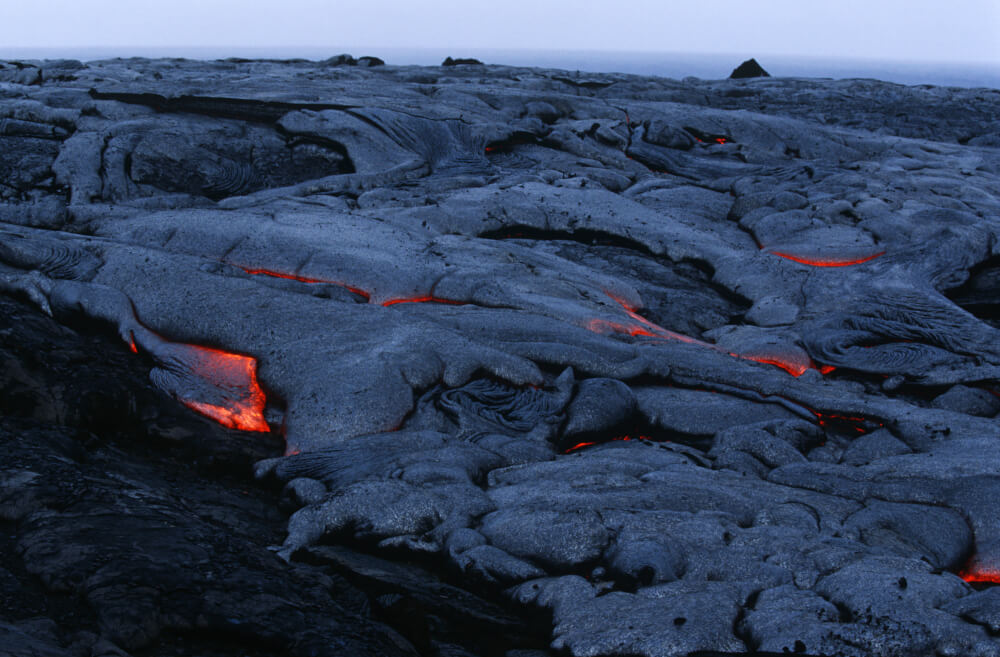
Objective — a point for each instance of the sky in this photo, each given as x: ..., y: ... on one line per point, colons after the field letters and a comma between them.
x: 956, y: 31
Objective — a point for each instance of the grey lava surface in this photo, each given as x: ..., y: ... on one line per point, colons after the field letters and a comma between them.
x: 339, y: 358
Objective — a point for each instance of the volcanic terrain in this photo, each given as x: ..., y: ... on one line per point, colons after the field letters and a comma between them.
x: 338, y: 358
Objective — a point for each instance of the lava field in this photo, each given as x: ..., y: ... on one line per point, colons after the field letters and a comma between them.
x: 339, y: 358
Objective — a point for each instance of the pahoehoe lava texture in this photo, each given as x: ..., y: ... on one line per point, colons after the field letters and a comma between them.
x: 664, y: 367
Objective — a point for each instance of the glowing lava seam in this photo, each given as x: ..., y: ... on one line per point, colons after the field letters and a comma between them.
x: 304, y: 279
x: 355, y: 290
x: 825, y: 262
x: 646, y: 328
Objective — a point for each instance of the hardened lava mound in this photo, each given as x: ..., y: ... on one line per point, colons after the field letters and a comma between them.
x: 667, y: 367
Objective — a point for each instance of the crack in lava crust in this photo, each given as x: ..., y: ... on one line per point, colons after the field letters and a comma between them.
x: 826, y: 261
x: 646, y: 328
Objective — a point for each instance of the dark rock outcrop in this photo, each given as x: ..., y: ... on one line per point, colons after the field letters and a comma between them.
x: 461, y: 61
x: 749, y: 69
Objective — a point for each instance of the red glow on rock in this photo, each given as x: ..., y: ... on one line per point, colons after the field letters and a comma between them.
x: 826, y: 261
x: 793, y: 368
x: 976, y: 574
x: 857, y: 424
x: 616, y: 438
x: 237, y: 375
x: 826, y: 369
x: 720, y: 140
x: 393, y: 302
x: 643, y: 327
x: 608, y: 326
x: 278, y: 274
x: 304, y: 279
x: 131, y: 343
x: 578, y: 446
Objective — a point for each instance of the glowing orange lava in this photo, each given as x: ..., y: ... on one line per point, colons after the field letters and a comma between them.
x: 720, y: 140
x: 826, y: 261
x: 236, y: 375
x: 277, y: 274
x: 355, y: 290
x: 578, y: 446
x: 793, y: 368
x: 644, y: 327
x: 979, y: 574
x: 304, y: 279
x: 624, y: 437
x: 855, y: 423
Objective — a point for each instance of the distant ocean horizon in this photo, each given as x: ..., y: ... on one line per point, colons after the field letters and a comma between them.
x: 667, y: 64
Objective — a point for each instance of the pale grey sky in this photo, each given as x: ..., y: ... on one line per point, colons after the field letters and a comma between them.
x: 927, y: 30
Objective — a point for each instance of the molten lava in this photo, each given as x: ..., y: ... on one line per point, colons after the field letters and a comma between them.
x: 975, y: 574
x: 644, y: 327
x: 578, y: 446
x: 625, y: 437
x: 857, y: 424
x: 796, y: 369
x: 355, y: 290
x: 243, y: 404
x: 826, y: 261
x: 276, y: 274
x: 304, y: 279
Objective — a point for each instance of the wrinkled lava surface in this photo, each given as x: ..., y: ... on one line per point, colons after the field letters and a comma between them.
x: 664, y: 367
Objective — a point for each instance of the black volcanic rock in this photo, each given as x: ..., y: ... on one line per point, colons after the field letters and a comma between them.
x: 342, y: 59
x: 749, y: 69
x: 461, y: 61
x: 666, y: 367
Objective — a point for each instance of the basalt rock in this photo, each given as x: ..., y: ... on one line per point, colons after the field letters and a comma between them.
x: 461, y: 61
x: 749, y: 69
x: 622, y: 365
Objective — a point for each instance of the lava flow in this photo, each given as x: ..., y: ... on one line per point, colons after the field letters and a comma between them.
x: 977, y: 574
x: 860, y: 425
x: 644, y: 327
x: 794, y: 367
x: 588, y: 444
x: 232, y: 373
x: 304, y: 279
x: 243, y: 402
x: 355, y: 290
x: 826, y: 261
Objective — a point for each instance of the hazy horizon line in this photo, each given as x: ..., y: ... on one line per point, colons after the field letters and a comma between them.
x: 459, y: 51
x: 668, y: 64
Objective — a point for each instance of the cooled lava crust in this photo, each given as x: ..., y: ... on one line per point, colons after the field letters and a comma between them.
x: 637, y: 366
